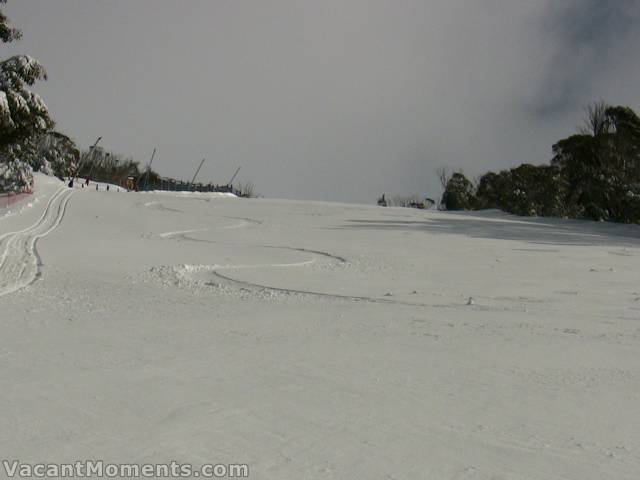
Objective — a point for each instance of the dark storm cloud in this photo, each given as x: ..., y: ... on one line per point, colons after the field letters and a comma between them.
x: 587, y: 38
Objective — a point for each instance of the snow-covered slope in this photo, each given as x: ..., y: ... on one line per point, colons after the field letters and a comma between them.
x: 316, y: 340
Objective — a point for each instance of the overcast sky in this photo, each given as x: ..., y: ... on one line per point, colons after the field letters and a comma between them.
x: 330, y: 99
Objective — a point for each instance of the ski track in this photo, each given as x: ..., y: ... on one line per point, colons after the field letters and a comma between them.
x: 338, y: 258
x: 20, y: 262
x: 180, y: 233
x: 242, y: 283
x: 189, y: 271
x: 335, y: 259
x: 159, y: 206
x: 245, y: 219
x: 335, y: 296
x: 244, y: 222
x: 215, y: 271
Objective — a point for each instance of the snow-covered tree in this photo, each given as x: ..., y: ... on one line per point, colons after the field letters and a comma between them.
x: 52, y: 153
x: 23, y: 113
x: 7, y: 32
x: 58, y: 153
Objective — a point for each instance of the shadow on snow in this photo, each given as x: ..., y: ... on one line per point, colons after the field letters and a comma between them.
x: 498, y: 225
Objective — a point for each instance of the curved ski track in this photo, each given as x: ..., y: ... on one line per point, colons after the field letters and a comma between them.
x: 20, y: 263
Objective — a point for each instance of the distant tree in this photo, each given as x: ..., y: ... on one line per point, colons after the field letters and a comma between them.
x: 444, y: 175
x: 399, y: 200
x: 581, y: 162
x: 247, y: 189
x: 112, y: 167
x: 491, y: 190
x: 601, y: 165
x: 624, y: 163
x: 596, y: 121
x: 533, y: 190
x: 593, y: 174
x: 459, y: 193
x: 624, y: 125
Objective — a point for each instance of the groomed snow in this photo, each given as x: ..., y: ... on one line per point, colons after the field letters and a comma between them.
x: 317, y: 340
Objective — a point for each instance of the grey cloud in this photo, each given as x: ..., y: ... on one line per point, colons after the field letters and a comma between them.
x: 585, y: 37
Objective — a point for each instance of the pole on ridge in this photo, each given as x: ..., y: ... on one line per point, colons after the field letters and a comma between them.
x: 234, y: 176
x: 146, y: 179
x: 197, y: 171
x: 84, y: 157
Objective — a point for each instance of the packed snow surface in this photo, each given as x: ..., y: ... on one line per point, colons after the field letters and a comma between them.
x: 318, y: 341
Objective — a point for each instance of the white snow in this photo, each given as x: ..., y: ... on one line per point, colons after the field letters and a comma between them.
x: 318, y: 340
x: 183, y: 194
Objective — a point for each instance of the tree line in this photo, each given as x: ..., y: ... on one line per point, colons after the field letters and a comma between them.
x: 593, y: 174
